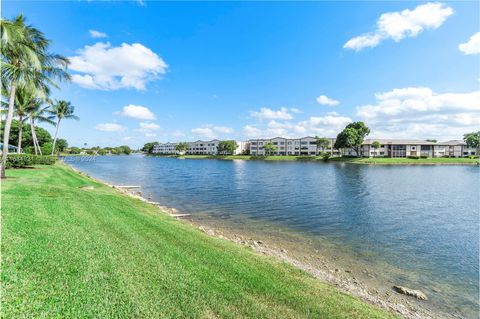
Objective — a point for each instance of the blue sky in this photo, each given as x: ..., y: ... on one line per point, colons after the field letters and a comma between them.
x: 181, y: 71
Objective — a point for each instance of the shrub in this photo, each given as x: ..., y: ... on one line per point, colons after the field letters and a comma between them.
x: 26, y: 160
x: 326, y: 156
x: 423, y: 156
x: 413, y: 157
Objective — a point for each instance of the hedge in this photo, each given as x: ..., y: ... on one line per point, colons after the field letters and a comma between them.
x: 25, y: 160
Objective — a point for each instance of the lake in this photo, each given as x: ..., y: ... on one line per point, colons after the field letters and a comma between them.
x: 416, y: 225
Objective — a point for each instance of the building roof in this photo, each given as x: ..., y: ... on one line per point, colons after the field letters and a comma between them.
x: 453, y: 142
x: 399, y: 141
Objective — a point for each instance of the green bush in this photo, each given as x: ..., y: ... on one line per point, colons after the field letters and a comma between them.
x: 26, y: 160
x: 423, y: 156
x: 326, y: 156
x: 413, y: 157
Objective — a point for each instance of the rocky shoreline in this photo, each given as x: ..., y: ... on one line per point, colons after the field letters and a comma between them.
x: 403, y: 300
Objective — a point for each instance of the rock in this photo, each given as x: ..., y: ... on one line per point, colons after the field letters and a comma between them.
x: 348, y: 270
x: 410, y: 292
x: 86, y: 187
x: 283, y: 250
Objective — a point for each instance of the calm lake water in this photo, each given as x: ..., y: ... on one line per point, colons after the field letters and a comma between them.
x: 420, y: 223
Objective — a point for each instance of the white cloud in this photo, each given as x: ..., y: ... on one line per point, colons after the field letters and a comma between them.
x: 399, y: 25
x: 211, y: 131
x: 328, y: 125
x: 325, y: 100
x: 251, y: 131
x: 137, y: 112
x: 101, y: 66
x: 110, y: 127
x: 150, y: 135
x: 149, y: 126
x: 419, y: 112
x: 472, y: 46
x: 268, y: 114
x: 97, y: 34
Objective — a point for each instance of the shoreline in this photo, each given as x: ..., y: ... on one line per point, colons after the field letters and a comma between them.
x: 318, y: 159
x: 318, y: 265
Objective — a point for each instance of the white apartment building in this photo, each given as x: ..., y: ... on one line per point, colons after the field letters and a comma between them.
x: 306, y: 146
x: 285, y: 146
x: 420, y: 148
x: 198, y: 148
x: 165, y: 148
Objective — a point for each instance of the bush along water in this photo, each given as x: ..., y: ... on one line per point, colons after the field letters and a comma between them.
x: 26, y: 160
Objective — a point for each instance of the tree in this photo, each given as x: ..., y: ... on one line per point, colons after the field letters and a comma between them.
x: 23, y: 100
x: 227, y: 147
x: 352, y: 137
x: 376, y: 145
x: 148, y: 147
x: 26, y: 63
x: 321, y: 142
x: 62, y: 144
x: 269, y: 148
x: 43, y: 136
x: 37, y: 112
x: 432, y: 140
x: 181, y: 147
x: 75, y: 150
x: 47, y: 148
x: 61, y: 110
x: 124, y: 149
x: 473, y: 140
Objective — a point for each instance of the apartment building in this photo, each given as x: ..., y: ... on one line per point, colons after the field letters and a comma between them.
x: 198, y: 148
x: 285, y: 146
x: 165, y: 148
x: 407, y: 147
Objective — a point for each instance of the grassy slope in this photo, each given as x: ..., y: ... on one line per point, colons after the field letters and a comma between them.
x: 382, y: 160
x: 69, y: 252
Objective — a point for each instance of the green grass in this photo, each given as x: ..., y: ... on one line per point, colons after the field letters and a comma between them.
x: 388, y: 160
x: 68, y: 252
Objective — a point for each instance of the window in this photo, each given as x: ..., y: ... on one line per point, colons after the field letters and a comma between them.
x: 425, y: 147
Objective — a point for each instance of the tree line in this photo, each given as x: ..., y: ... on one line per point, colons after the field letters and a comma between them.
x: 29, y: 72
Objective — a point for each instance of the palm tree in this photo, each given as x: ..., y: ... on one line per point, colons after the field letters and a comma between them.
x: 61, y: 110
x: 24, y: 99
x: 26, y: 63
x: 38, y: 113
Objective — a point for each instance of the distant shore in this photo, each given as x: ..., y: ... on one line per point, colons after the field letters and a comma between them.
x: 351, y: 160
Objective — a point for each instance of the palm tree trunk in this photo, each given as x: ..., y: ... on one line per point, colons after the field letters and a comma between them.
x: 36, y: 139
x: 55, y: 138
x: 6, y: 132
x: 20, y: 131
x: 33, y: 136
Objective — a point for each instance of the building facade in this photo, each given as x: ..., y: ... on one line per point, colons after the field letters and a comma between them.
x: 285, y: 146
x: 420, y: 148
x: 197, y: 148
x: 306, y: 146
